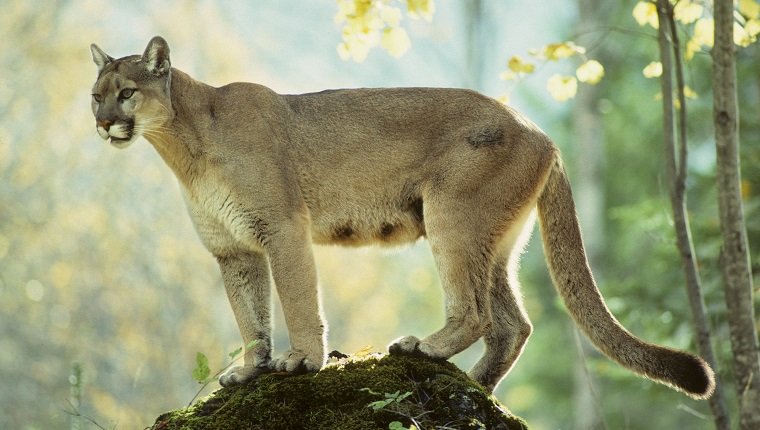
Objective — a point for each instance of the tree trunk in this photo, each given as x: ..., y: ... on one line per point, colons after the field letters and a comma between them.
x: 676, y: 166
x: 474, y: 46
x: 587, y: 155
x: 737, y: 277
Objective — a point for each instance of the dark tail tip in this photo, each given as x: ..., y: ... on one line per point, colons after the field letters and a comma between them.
x: 692, y: 375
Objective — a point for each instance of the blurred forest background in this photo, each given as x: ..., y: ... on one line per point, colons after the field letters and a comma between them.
x: 100, y: 267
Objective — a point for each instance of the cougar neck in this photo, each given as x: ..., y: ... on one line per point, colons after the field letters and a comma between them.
x: 181, y: 143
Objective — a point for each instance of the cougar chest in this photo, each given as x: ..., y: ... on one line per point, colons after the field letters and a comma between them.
x: 222, y: 220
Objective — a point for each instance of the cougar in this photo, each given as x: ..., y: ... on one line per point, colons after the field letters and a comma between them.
x: 266, y: 175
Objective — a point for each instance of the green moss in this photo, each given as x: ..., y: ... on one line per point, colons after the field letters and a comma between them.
x: 338, y: 396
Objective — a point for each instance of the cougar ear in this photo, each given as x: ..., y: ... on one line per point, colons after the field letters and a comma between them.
x: 100, y: 58
x: 156, y: 56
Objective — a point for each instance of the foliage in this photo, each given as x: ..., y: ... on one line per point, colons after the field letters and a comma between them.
x: 561, y: 87
x: 696, y: 19
x: 423, y: 395
x: 389, y: 398
x: 367, y: 23
x: 201, y: 371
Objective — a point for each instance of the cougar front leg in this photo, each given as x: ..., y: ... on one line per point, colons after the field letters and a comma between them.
x: 295, y: 277
x: 246, y: 279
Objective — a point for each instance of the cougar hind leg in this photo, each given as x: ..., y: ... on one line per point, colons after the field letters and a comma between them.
x: 510, y: 327
x: 508, y: 333
x: 463, y: 259
x: 467, y: 246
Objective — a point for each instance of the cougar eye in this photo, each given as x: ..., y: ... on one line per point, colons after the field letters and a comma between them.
x: 97, y: 98
x: 126, y: 93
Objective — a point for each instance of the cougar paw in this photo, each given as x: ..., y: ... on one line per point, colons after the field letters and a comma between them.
x: 240, y: 375
x: 294, y: 361
x: 411, y: 345
x: 408, y: 345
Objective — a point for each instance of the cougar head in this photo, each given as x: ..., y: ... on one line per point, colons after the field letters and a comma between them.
x: 131, y: 96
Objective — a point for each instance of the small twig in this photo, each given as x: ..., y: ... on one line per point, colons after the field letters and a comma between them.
x: 607, y: 30
x: 589, y: 380
x: 413, y: 419
x: 613, y: 29
x: 748, y: 384
x: 691, y: 411
x: 213, y: 378
x: 75, y: 413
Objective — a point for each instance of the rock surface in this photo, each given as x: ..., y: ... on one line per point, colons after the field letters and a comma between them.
x: 369, y: 392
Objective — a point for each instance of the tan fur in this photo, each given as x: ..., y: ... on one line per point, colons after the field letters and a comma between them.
x: 264, y: 175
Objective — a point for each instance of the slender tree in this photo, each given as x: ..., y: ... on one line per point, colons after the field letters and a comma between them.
x: 737, y: 276
x: 587, y: 157
x: 676, y: 165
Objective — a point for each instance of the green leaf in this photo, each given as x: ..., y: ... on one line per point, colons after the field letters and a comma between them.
x: 392, y: 396
x: 396, y: 397
x: 235, y: 353
x: 380, y: 404
x: 201, y: 371
x: 396, y: 425
x: 401, y: 397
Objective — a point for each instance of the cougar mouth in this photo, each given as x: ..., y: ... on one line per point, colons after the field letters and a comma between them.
x: 119, y: 142
x: 119, y: 134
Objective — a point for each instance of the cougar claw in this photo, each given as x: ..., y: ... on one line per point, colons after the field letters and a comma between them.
x: 240, y: 375
x: 411, y: 345
x: 408, y: 345
x: 293, y: 362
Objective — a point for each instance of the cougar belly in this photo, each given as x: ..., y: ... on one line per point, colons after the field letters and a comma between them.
x: 364, y: 221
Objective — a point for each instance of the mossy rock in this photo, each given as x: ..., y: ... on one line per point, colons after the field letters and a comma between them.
x: 374, y: 392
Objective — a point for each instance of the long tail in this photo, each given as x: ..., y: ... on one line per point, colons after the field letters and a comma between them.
x: 572, y: 277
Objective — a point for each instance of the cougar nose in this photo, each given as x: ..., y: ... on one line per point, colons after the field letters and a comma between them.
x: 105, y: 123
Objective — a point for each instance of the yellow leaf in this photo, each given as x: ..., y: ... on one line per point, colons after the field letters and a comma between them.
x: 653, y: 70
x: 556, y: 51
x: 362, y: 7
x: 689, y: 93
x: 345, y: 9
x: 517, y: 65
x: 503, y: 99
x: 645, y: 12
x: 391, y: 15
x: 741, y: 37
x: 746, y: 189
x: 704, y: 32
x: 344, y: 52
x: 749, y: 8
x: 562, y: 87
x: 687, y: 12
x: 354, y: 49
x: 508, y: 75
x: 395, y: 41
x: 367, y: 350
x: 752, y: 27
x: 692, y: 47
x: 590, y: 72
x: 424, y: 8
